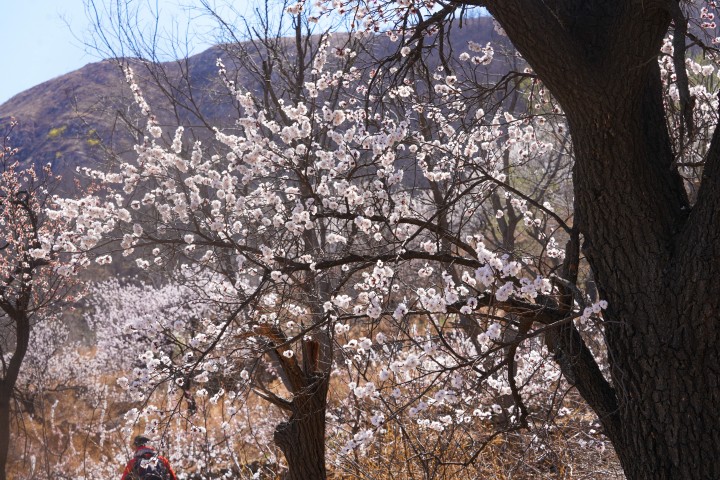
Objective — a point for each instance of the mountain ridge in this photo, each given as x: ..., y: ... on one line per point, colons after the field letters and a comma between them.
x: 78, y: 118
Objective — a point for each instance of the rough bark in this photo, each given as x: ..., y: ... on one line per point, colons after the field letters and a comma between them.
x: 4, y: 428
x: 653, y: 256
x: 302, y: 437
x: 10, y: 373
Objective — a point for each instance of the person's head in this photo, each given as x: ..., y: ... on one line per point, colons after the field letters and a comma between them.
x: 141, y: 441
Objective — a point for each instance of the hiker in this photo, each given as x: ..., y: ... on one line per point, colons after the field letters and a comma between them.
x: 147, y: 464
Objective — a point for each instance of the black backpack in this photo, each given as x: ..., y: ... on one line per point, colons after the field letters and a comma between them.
x: 148, y: 466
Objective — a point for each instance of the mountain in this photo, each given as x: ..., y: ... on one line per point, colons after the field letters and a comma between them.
x: 71, y: 120
x: 74, y: 120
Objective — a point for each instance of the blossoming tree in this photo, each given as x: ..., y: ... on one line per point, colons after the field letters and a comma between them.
x: 35, y: 276
x: 649, y: 243
x: 339, y: 218
x: 342, y: 211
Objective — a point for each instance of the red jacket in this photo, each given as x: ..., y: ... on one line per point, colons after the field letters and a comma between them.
x: 127, y: 473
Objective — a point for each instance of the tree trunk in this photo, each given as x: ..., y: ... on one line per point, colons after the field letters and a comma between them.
x: 10, y: 374
x: 655, y: 259
x: 302, y: 437
x: 660, y: 327
x: 5, y: 397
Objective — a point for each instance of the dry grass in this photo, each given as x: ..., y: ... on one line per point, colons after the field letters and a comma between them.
x: 70, y: 427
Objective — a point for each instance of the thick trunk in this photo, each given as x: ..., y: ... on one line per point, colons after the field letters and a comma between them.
x: 661, y: 324
x: 302, y: 437
x: 654, y: 258
x: 670, y: 421
x: 5, y: 396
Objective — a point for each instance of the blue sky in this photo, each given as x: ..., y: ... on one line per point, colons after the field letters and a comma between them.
x: 38, y: 43
x: 42, y: 39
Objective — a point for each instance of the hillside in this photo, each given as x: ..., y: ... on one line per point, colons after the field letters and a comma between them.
x: 67, y: 121
x: 75, y: 119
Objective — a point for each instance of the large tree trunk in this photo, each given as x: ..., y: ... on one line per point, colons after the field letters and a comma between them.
x: 302, y: 437
x: 661, y: 323
x: 654, y: 257
x: 5, y: 397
